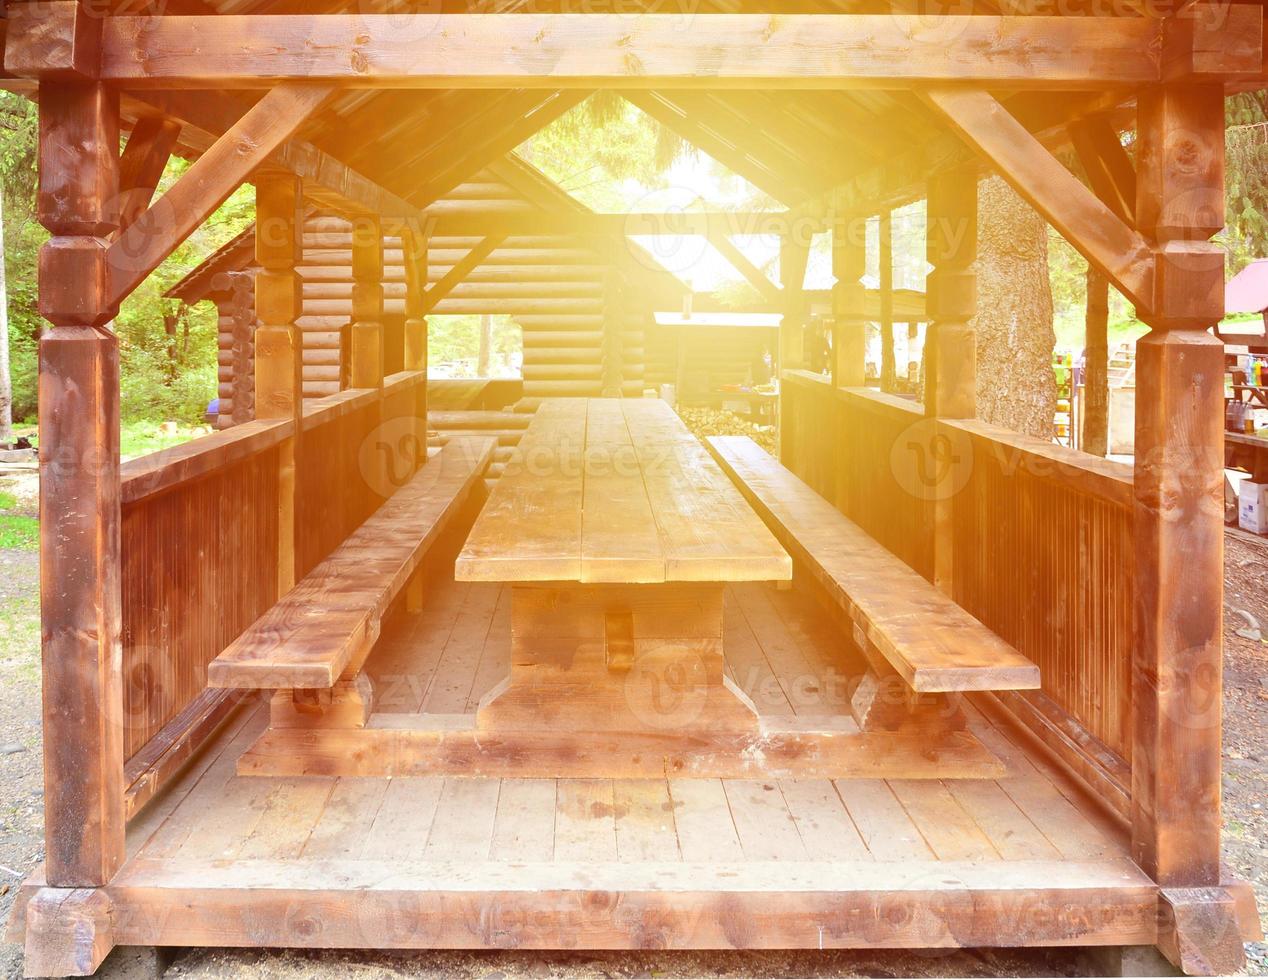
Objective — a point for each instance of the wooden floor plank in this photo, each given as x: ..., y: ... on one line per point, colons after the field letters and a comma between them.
x: 747, y: 661
x: 585, y: 825
x: 702, y: 816
x: 946, y: 827
x: 822, y: 821
x: 495, y: 657
x: 404, y: 672
x: 1012, y: 833
x: 455, y: 674
x: 164, y: 823
x: 881, y: 821
x: 797, y: 676
x: 525, y: 826
x: 289, y: 816
x: 766, y: 828
x: 341, y: 829
x: 404, y: 818
x: 221, y: 830
x: 645, y: 828
x: 462, y: 829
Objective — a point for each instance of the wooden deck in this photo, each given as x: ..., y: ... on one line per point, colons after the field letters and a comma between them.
x: 226, y: 859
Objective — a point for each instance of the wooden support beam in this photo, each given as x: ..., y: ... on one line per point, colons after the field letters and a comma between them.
x: 459, y: 272
x: 950, y: 344
x: 79, y: 488
x: 794, y: 256
x: 1104, y: 239
x: 768, y: 290
x: 144, y: 158
x: 365, y: 333
x: 279, y: 352
x: 479, y: 221
x: 1179, y: 496
x: 559, y: 51
x: 849, y: 324
x: 415, y: 319
x: 207, y: 183
x: 1109, y: 169
x: 328, y: 180
x: 885, y: 263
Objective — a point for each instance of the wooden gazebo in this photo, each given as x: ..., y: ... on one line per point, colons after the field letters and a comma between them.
x: 590, y: 712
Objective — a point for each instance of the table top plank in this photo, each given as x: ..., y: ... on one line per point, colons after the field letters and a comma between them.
x: 530, y: 527
x: 620, y: 541
x: 617, y: 490
x: 708, y: 531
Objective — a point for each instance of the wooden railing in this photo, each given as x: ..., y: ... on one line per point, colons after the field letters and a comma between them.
x: 200, y: 549
x: 1040, y: 545
x: 849, y: 445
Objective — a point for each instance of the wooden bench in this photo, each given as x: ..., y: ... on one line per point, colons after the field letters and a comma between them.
x: 900, y: 621
x: 323, y: 629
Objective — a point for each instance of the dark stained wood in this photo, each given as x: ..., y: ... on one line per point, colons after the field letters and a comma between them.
x: 331, y: 618
x: 199, y: 565
x: 144, y: 158
x: 79, y: 491
x: 615, y: 50
x: 1179, y: 491
x: 207, y: 183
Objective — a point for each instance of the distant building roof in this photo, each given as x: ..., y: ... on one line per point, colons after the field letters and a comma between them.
x: 1247, y: 292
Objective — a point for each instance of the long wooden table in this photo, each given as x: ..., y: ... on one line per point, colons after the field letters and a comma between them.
x: 618, y: 534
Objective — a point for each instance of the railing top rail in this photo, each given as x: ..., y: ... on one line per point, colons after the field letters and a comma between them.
x: 1105, y: 478
x: 156, y: 472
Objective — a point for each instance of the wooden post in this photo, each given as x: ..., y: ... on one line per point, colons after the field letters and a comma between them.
x: 1094, y: 437
x: 950, y: 341
x: 885, y: 248
x: 79, y: 488
x: 415, y: 248
x: 279, y: 355
x: 793, y: 257
x: 1176, y: 689
x: 613, y: 324
x: 365, y: 348
x: 951, y: 291
x: 849, y: 335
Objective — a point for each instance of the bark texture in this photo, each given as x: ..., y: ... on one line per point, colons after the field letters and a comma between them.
x: 1016, y: 388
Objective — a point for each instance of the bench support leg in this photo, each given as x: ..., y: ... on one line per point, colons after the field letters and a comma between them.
x: 887, y: 704
x: 346, y: 705
x: 414, y: 593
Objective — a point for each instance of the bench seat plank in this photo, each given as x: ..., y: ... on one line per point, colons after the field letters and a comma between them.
x: 309, y: 638
x: 933, y: 643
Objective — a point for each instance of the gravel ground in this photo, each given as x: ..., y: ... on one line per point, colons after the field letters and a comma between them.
x: 21, y: 847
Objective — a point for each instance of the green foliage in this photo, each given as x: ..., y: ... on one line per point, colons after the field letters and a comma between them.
x: 453, y: 343
x: 1246, y: 182
x: 159, y: 380
x: 592, y: 149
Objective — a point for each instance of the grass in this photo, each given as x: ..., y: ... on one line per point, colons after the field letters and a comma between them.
x: 142, y: 438
x: 17, y: 531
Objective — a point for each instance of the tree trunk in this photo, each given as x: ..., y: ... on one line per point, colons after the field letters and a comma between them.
x: 6, y: 379
x: 486, y: 342
x: 1016, y: 388
x: 1096, y: 378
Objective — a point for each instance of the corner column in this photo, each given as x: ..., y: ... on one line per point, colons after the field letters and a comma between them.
x: 885, y: 263
x: 415, y: 249
x: 951, y: 341
x: 849, y: 318
x: 366, y: 333
x: 80, y: 601
x: 279, y: 353
x: 793, y: 257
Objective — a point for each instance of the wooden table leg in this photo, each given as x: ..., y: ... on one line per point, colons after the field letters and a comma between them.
x: 617, y: 658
